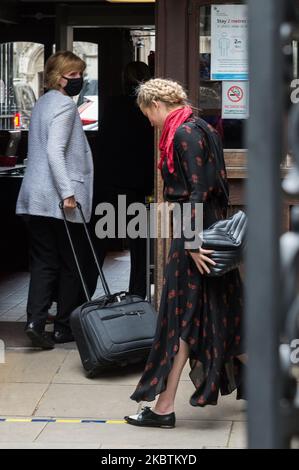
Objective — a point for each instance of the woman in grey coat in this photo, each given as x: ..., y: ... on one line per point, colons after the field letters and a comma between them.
x: 60, y: 167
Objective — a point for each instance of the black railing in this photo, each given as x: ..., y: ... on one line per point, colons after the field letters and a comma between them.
x: 7, y: 99
x: 272, y: 265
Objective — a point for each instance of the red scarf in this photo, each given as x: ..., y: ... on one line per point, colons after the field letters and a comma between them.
x: 172, y: 122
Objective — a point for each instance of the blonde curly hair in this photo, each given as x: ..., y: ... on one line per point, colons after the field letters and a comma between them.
x: 158, y: 89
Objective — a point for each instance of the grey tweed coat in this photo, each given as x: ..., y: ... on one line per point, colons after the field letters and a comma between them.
x: 59, y: 160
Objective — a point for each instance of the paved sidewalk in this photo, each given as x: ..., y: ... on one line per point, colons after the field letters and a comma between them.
x: 51, y: 384
x: 37, y: 387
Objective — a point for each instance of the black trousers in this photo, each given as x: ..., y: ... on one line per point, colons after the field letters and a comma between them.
x: 137, y: 246
x: 53, y: 272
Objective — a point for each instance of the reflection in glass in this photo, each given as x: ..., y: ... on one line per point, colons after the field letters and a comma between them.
x: 21, y: 82
x: 87, y: 101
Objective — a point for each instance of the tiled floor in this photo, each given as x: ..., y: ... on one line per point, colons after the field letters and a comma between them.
x: 13, y: 296
x: 14, y: 286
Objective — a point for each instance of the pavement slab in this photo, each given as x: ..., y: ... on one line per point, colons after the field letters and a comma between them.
x: 31, y: 365
x: 187, y: 434
x: 72, y: 372
x: 87, y: 401
x: 20, y: 399
x: 20, y: 432
x: 238, y: 437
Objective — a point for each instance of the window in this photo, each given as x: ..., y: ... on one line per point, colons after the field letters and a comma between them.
x: 88, y: 100
x: 223, y: 73
x: 21, y: 82
x: 144, y: 43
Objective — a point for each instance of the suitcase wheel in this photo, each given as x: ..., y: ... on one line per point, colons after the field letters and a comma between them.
x: 91, y: 374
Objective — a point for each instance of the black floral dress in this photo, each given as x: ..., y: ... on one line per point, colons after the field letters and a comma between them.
x: 206, y: 312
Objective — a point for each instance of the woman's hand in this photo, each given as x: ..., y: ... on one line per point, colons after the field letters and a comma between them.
x: 201, y: 259
x: 69, y: 203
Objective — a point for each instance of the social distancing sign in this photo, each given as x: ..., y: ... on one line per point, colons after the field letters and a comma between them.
x: 229, y: 42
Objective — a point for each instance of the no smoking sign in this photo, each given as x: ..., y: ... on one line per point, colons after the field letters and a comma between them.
x: 235, y: 100
x: 235, y: 94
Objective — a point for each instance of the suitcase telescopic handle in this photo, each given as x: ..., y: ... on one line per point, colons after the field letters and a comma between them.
x: 100, y: 271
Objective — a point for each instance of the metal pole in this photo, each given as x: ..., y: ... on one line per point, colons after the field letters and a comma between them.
x: 264, y: 210
x: 148, y: 253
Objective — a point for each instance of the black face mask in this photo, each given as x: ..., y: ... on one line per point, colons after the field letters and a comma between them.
x: 73, y: 86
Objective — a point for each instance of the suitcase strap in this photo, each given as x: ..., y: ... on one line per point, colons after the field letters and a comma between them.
x: 100, y: 271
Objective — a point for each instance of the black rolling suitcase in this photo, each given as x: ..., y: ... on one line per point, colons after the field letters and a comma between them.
x: 113, y: 330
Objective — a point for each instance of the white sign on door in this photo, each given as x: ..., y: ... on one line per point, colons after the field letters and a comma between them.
x: 235, y: 100
x: 229, y: 42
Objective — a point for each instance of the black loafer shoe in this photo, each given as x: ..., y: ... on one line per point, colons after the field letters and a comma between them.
x: 40, y: 339
x: 148, y: 418
x: 63, y: 337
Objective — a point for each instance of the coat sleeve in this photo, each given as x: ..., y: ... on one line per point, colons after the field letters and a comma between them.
x: 192, y: 153
x: 59, y: 133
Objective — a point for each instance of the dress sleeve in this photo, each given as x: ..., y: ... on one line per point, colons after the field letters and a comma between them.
x: 192, y: 153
